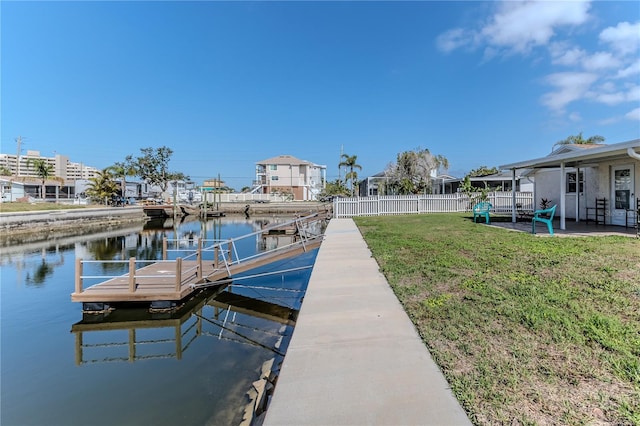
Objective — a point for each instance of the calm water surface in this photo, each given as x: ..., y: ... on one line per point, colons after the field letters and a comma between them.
x: 192, y: 367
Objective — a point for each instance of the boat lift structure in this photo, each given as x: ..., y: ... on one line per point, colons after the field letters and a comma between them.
x: 164, y: 283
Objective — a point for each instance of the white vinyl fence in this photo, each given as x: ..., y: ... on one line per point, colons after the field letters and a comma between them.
x: 428, y: 203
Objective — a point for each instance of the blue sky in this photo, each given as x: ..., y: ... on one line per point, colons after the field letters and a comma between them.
x: 227, y: 84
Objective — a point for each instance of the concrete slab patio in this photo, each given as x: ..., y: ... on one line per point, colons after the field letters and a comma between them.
x: 355, y: 357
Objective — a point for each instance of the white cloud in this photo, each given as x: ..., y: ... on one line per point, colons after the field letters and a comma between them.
x: 453, y: 39
x: 623, y: 38
x: 609, y: 94
x: 609, y: 98
x: 633, y: 93
x: 575, y: 117
x: 600, y: 61
x: 519, y: 26
x: 633, y: 115
x: 561, y: 54
x: 629, y: 71
x: 569, y: 87
x: 607, y: 76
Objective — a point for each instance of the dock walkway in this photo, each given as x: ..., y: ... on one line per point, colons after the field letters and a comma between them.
x: 162, y: 281
x: 355, y: 358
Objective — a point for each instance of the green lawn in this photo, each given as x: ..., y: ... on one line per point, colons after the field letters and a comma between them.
x: 527, y: 330
x: 31, y: 207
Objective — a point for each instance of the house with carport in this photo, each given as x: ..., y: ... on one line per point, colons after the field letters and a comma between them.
x: 574, y: 176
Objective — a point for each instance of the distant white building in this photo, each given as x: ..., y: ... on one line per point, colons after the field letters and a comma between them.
x: 286, y: 174
x: 60, y: 165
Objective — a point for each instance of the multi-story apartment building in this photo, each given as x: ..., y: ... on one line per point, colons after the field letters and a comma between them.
x: 286, y: 174
x: 60, y: 164
x: 23, y: 180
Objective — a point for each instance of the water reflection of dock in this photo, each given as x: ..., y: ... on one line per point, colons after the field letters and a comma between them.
x: 184, y: 326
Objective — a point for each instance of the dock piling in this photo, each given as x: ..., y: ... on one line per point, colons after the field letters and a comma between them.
x: 178, y: 273
x: 78, y: 279
x: 132, y: 274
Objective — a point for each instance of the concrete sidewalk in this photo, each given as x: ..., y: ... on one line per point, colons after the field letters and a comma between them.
x: 355, y: 358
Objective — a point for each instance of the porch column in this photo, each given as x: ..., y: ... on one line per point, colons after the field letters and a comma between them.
x: 513, y: 195
x: 578, y: 194
x: 563, y: 195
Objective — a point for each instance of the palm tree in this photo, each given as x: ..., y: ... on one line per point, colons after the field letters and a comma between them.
x: 579, y: 140
x: 349, y: 161
x: 122, y: 170
x: 102, y: 187
x: 43, y: 169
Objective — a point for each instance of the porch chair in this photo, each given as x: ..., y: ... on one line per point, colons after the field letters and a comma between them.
x: 482, y: 209
x: 599, y: 212
x: 632, y: 215
x: 544, y: 216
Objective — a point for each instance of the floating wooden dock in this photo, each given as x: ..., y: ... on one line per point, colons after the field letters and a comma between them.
x: 174, y: 280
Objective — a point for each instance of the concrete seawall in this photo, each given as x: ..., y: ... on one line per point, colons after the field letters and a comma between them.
x: 37, y: 225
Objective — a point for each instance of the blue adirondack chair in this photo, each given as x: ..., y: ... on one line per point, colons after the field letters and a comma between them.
x: 482, y: 209
x: 544, y: 216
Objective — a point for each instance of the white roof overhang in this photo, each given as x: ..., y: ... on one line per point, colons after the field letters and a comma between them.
x: 581, y: 157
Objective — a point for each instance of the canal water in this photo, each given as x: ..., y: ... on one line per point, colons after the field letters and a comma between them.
x: 199, y: 365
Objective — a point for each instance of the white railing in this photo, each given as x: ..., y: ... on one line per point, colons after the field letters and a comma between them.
x: 427, y: 203
x: 245, y: 197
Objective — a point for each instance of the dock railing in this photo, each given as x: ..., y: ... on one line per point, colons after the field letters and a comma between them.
x: 181, y: 275
x: 223, y: 253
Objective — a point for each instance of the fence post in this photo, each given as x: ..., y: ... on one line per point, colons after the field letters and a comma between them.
x: 199, y: 273
x: 164, y: 248
x: 132, y: 274
x: 178, y: 273
x: 78, y: 275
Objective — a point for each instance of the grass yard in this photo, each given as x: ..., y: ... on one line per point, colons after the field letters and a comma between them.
x: 32, y: 207
x: 527, y: 330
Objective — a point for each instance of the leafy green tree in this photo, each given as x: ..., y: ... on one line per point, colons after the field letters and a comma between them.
x: 4, y: 171
x: 336, y: 188
x: 411, y: 173
x: 350, y: 162
x: 483, y: 171
x: 475, y: 194
x: 153, y: 167
x: 102, y: 187
x: 579, y: 140
x: 43, y: 169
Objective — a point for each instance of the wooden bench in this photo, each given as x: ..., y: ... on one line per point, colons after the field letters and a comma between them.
x: 544, y: 216
x: 482, y: 209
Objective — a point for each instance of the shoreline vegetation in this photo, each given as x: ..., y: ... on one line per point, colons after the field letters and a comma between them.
x: 527, y: 330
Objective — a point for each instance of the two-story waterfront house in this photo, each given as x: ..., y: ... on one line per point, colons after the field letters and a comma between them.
x: 286, y: 174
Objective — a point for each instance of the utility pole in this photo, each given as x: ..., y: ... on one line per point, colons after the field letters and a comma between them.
x: 19, y: 142
x: 340, y: 168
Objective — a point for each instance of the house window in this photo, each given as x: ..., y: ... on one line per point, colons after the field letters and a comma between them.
x: 273, y: 167
x: 274, y: 177
x: 571, y: 182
